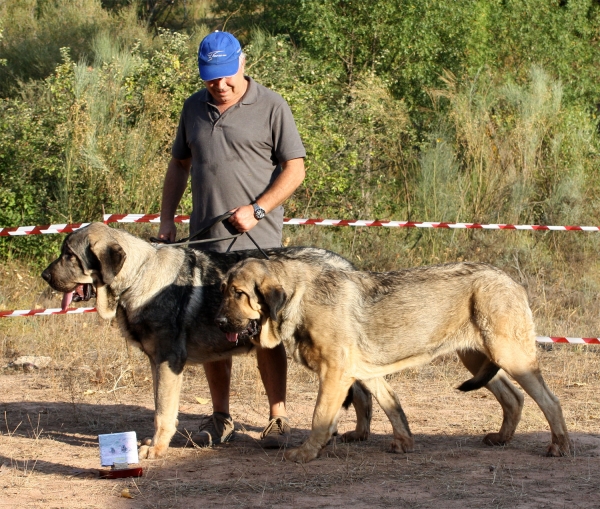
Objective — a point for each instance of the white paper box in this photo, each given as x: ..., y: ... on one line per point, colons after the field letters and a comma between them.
x: 118, y: 448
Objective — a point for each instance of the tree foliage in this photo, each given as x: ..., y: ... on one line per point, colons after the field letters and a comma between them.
x: 426, y: 109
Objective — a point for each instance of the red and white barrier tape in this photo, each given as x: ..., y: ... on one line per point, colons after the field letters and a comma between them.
x: 17, y: 313
x: 424, y: 224
x: 72, y: 311
x: 155, y: 218
x: 37, y: 230
x: 140, y: 218
x: 578, y: 341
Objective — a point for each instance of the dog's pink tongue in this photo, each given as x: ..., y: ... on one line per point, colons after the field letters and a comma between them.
x: 66, y: 300
x: 231, y: 336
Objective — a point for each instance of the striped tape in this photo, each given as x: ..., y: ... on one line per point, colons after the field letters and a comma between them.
x: 17, y: 313
x: 577, y: 341
x: 155, y: 218
x: 72, y: 311
x: 140, y: 218
x: 38, y: 230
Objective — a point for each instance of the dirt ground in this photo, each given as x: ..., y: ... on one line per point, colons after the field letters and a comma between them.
x: 50, y: 419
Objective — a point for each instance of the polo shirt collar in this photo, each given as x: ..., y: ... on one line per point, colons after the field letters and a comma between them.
x: 251, y: 94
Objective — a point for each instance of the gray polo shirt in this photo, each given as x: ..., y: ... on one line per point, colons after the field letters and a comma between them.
x: 235, y: 157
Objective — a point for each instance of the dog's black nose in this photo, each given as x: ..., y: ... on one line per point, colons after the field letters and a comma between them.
x: 46, y: 276
x: 221, y: 321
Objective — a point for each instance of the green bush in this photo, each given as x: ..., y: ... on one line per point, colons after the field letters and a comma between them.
x: 408, y: 110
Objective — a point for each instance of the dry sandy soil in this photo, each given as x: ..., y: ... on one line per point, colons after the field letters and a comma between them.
x: 50, y: 419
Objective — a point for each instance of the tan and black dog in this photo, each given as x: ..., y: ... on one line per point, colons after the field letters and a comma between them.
x: 165, y: 299
x: 351, y: 325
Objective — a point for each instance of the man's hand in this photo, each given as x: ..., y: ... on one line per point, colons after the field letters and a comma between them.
x: 167, y: 231
x: 243, y: 218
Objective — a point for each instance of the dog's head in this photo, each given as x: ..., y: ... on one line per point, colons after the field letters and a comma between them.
x: 89, y: 256
x: 252, y: 303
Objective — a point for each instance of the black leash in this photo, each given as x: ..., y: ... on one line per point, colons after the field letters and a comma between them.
x: 188, y: 240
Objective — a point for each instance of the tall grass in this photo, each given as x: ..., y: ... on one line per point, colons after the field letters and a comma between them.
x: 35, y: 31
x: 523, y: 156
x: 118, y: 125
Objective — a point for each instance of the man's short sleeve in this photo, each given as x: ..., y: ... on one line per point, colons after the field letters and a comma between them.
x: 180, y: 148
x: 287, y: 143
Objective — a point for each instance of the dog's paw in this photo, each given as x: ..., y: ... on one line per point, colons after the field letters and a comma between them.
x: 302, y: 454
x: 553, y: 451
x: 494, y: 439
x: 354, y: 436
x: 561, y: 447
x: 147, y: 451
x: 403, y: 444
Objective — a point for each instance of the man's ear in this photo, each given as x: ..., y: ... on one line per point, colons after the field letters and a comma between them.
x: 110, y: 255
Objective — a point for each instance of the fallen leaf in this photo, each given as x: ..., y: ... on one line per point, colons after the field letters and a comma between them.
x: 88, y: 392
x: 202, y: 401
x: 125, y: 493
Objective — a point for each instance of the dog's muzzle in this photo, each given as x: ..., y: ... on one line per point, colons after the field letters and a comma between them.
x: 82, y: 293
x: 251, y: 330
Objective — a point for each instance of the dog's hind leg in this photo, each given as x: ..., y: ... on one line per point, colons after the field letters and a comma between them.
x: 389, y: 402
x: 527, y: 373
x: 167, y: 387
x: 510, y: 398
x: 362, y: 401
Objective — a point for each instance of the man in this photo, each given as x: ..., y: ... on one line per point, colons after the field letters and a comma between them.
x: 240, y: 143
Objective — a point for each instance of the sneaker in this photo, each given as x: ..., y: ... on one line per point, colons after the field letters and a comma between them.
x: 277, y: 433
x: 216, y: 429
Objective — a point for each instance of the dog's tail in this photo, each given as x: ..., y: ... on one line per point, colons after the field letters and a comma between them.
x: 349, y: 397
x: 485, y: 374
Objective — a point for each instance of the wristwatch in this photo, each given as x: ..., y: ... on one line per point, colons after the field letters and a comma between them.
x: 259, y: 212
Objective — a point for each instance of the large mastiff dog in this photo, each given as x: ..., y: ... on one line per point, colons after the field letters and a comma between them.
x: 165, y: 299
x: 350, y: 325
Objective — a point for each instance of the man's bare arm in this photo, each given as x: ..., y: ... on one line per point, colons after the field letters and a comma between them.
x: 291, y: 176
x: 176, y: 179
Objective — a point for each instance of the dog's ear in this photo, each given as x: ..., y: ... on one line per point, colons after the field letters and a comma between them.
x: 111, y: 257
x: 269, y: 337
x: 275, y: 297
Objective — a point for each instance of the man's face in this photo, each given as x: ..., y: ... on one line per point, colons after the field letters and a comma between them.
x: 229, y: 89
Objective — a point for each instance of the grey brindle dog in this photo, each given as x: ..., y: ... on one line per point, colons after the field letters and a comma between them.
x: 165, y: 299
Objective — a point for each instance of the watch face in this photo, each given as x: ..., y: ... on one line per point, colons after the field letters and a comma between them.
x: 259, y: 213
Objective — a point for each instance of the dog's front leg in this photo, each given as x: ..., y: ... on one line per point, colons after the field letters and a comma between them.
x: 332, y: 391
x: 167, y: 387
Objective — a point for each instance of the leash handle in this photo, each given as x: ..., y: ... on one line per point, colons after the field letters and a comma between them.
x: 218, y: 219
x: 187, y: 240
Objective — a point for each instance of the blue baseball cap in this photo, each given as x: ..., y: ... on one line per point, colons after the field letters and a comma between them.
x: 219, y: 56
